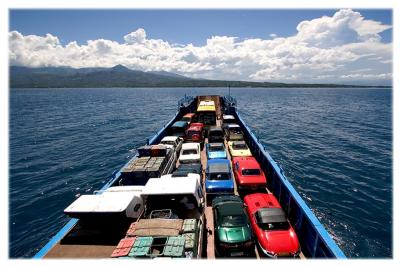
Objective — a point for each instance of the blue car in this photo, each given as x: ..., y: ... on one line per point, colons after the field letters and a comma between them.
x: 215, y: 151
x: 219, y: 178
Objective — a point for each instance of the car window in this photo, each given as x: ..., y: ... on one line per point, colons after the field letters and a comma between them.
x: 219, y: 176
x: 274, y: 226
x: 216, y: 148
x: 190, y: 151
x: 233, y: 220
x: 239, y: 146
x: 251, y: 172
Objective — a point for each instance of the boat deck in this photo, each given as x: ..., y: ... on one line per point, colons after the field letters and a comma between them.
x: 89, y: 241
x: 100, y: 243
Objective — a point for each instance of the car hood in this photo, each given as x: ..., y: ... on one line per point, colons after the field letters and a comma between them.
x: 234, y: 234
x: 219, y: 185
x: 280, y: 241
x: 252, y: 180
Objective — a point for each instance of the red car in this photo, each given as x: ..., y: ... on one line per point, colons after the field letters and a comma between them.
x: 248, y: 173
x: 195, y: 133
x: 275, y: 235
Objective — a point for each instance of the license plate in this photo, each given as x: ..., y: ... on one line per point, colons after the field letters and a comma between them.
x: 237, y: 253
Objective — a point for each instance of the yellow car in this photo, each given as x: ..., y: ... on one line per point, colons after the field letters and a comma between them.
x: 238, y: 148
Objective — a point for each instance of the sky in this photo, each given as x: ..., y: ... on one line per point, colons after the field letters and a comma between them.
x: 298, y: 45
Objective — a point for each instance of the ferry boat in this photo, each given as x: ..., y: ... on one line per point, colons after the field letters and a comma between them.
x: 150, y: 210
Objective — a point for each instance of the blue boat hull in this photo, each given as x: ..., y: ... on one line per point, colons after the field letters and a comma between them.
x: 314, y: 239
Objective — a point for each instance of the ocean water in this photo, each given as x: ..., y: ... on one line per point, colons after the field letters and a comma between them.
x: 335, y: 145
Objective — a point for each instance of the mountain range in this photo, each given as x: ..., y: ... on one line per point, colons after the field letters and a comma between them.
x: 121, y: 76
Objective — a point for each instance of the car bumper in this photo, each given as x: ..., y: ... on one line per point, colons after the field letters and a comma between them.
x: 276, y: 255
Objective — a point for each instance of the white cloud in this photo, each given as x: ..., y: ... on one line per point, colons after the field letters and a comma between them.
x: 138, y: 36
x: 326, y: 49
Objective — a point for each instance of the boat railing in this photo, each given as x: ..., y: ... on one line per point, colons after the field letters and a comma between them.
x: 185, y: 101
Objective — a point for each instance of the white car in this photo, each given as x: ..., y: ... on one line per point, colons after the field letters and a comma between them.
x: 173, y: 142
x: 190, y: 153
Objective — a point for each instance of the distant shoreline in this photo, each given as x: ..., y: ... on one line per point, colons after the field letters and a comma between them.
x: 122, y: 77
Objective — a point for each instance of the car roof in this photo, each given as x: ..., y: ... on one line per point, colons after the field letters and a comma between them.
x: 218, y: 167
x: 215, y: 128
x: 190, y: 145
x: 189, y: 115
x: 270, y: 215
x: 169, y: 138
x: 228, y: 117
x: 170, y: 186
x: 180, y: 124
x: 198, y: 128
x: 239, y: 142
x: 232, y: 125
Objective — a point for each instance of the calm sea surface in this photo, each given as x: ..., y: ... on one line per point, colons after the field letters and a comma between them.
x: 335, y: 145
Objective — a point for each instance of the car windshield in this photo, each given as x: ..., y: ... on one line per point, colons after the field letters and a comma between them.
x: 274, y: 226
x: 216, y: 133
x: 190, y: 133
x: 239, y: 146
x: 219, y: 176
x: 234, y: 131
x: 189, y: 151
x: 233, y: 220
x: 251, y: 172
x: 271, y: 219
x: 186, y: 119
x: 216, y: 148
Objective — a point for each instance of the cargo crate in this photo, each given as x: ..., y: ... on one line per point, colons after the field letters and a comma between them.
x: 141, y: 247
x: 131, y: 230
x: 123, y: 248
x: 189, y: 225
x: 190, y: 240
x: 175, y: 246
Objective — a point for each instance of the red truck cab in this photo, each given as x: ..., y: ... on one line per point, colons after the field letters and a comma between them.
x: 248, y: 173
x: 275, y: 235
x: 195, y: 133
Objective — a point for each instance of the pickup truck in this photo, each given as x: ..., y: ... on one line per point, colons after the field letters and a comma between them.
x: 172, y: 224
x: 173, y: 142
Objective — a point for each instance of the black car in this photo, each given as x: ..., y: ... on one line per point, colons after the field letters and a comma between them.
x: 215, y: 134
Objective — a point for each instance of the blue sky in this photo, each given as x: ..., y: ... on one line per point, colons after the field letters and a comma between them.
x: 290, y: 45
x: 175, y: 26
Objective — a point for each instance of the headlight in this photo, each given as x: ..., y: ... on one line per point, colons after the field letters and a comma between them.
x: 248, y: 244
x: 297, y: 253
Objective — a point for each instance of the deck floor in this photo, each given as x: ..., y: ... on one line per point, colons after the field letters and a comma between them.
x: 74, y: 249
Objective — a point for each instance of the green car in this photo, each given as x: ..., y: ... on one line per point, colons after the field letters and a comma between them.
x: 233, y: 235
